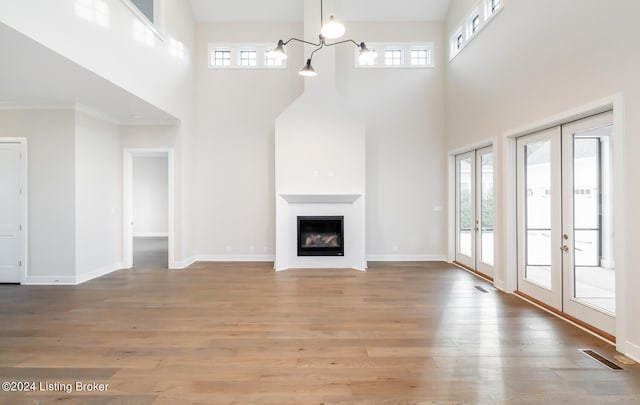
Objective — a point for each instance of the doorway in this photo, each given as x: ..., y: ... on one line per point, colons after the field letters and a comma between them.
x: 12, y: 211
x: 566, y: 222
x: 148, y: 202
x: 474, y: 211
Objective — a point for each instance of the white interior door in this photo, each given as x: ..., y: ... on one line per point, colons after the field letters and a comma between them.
x: 11, y: 190
x: 474, y: 210
x: 539, y: 217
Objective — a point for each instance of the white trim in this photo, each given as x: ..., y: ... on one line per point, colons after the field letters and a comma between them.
x: 235, y: 258
x: 183, y: 264
x: 50, y: 280
x: 632, y: 351
x: 151, y: 234
x: 407, y: 258
x: 99, y: 272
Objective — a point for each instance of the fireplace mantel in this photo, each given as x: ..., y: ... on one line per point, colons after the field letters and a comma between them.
x: 320, y: 198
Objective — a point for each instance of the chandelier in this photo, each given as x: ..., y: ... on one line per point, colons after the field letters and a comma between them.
x: 331, y: 30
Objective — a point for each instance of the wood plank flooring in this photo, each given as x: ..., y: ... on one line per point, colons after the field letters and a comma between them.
x: 240, y: 333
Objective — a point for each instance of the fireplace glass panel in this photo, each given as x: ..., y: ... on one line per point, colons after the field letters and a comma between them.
x: 321, y: 236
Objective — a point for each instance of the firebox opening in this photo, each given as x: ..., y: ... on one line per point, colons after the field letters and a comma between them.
x: 321, y: 236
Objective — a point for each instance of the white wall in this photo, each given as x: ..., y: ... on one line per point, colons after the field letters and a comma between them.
x: 404, y: 113
x: 51, y: 191
x: 150, y: 196
x: 98, y: 178
x: 536, y: 60
x: 234, y: 187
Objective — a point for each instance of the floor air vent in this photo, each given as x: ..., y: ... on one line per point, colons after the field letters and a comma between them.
x: 600, y: 359
x: 481, y: 289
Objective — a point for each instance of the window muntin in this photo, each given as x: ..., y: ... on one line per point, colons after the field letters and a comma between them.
x: 459, y: 41
x: 478, y: 17
x: 271, y: 61
x: 494, y: 5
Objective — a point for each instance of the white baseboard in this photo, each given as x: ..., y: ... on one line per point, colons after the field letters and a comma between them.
x: 235, y: 258
x: 99, y: 272
x: 50, y: 280
x: 183, y: 264
x: 150, y: 234
x: 632, y: 351
x: 406, y: 258
x: 501, y: 285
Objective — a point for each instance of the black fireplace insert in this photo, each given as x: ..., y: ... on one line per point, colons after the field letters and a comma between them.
x: 321, y: 236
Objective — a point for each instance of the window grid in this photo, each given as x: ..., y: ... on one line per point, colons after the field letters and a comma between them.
x: 393, y: 56
x: 420, y: 57
x: 495, y: 4
x: 221, y: 57
x: 459, y: 41
x: 248, y: 58
x: 369, y: 62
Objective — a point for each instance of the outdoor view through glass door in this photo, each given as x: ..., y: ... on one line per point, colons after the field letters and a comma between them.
x: 474, y: 210
x: 565, y: 220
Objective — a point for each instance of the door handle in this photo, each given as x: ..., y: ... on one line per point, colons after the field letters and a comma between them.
x: 564, y: 248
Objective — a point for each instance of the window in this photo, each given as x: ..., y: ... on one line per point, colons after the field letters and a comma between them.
x: 459, y: 41
x: 420, y: 57
x: 248, y: 58
x: 393, y: 57
x: 397, y: 55
x: 221, y: 57
x: 243, y: 56
x: 475, y: 24
x: 145, y: 7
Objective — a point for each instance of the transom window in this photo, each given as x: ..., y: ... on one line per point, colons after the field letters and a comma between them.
x: 221, y: 57
x: 459, y: 41
x: 248, y: 58
x: 397, y: 55
x: 393, y: 56
x: 495, y: 4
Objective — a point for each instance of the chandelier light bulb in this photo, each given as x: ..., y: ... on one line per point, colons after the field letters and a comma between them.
x: 332, y: 29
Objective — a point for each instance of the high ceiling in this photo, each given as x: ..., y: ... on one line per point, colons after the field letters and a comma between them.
x: 292, y: 10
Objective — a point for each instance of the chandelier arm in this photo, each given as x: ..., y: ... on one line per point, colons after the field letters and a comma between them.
x: 303, y: 41
x: 342, y: 42
x: 317, y: 49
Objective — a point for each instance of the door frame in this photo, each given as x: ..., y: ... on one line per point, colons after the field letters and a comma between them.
x: 614, y: 102
x: 24, y: 246
x: 129, y: 154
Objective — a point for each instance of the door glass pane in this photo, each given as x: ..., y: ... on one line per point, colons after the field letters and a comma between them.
x: 594, y: 272
x: 465, y: 207
x: 537, y: 177
x: 486, y: 211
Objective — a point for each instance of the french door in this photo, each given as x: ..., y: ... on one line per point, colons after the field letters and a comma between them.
x: 474, y: 210
x: 565, y: 220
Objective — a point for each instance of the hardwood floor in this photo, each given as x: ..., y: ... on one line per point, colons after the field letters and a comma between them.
x: 221, y: 333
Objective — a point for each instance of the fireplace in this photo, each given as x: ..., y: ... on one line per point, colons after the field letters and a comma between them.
x: 321, y: 236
